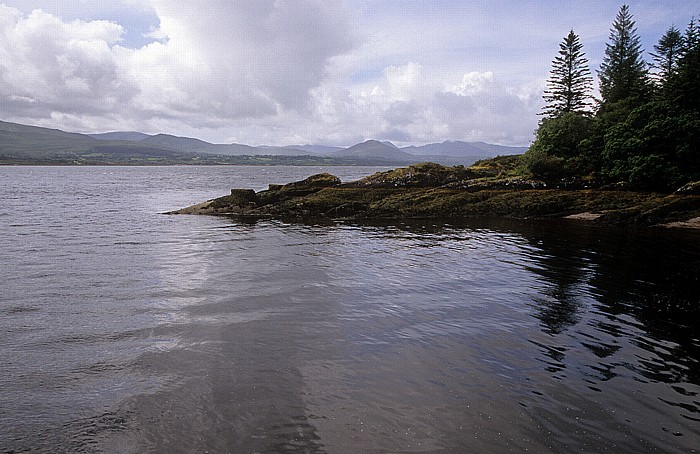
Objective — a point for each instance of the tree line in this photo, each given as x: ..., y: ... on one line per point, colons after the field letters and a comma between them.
x: 643, y: 132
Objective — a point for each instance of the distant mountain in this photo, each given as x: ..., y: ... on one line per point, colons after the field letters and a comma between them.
x: 25, y: 144
x: 373, y: 149
x: 315, y: 149
x: 458, y: 149
x: 287, y: 150
x: 190, y: 145
x: 22, y: 144
x: 186, y: 144
x: 26, y: 130
x: 21, y: 140
x: 129, y: 136
x: 448, y: 152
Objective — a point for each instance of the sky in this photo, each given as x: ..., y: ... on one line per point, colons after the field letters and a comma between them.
x: 283, y: 72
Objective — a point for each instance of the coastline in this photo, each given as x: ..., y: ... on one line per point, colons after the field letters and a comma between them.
x: 428, y: 191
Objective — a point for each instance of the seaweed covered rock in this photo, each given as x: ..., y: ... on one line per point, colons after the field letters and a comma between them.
x: 440, y: 192
x: 425, y: 175
x: 238, y: 198
x: 314, y: 183
x: 321, y: 180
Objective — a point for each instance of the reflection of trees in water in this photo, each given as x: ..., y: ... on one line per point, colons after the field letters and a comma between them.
x: 557, y: 307
x: 652, y: 276
x: 563, y: 265
x: 637, y: 284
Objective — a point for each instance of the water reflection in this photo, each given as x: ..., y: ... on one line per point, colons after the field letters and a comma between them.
x: 491, y: 335
x: 615, y: 306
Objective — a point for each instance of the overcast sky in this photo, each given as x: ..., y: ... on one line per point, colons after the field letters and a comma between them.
x: 300, y: 71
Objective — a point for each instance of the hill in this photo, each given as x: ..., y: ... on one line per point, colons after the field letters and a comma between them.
x: 373, y: 149
x: 459, y: 149
x: 129, y: 136
x: 23, y: 144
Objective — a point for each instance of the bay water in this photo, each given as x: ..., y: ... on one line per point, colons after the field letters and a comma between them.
x: 126, y: 330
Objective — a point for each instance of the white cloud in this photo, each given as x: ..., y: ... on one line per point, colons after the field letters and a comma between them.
x: 217, y: 63
x: 47, y: 64
x: 235, y: 60
x: 290, y: 71
x: 411, y: 104
x: 472, y: 83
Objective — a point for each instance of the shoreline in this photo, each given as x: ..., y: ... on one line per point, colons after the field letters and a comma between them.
x: 431, y: 191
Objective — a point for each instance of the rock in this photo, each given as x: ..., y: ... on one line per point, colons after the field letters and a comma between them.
x: 314, y: 183
x: 321, y: 180
x: 692, y: 188
x: 503, y: 183
x: 239, y: 198
x: 425, y: 175
x: 244, y: 195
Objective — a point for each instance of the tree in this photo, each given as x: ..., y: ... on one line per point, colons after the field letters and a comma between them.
x: 656, y: 147
x: 570, y: 82
x: 560, y: 149
x: 667, y: 55
x: 692, y: 35
x: 623, y: 73
x: 686, y: 84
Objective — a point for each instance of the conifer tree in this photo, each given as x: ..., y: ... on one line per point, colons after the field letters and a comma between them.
x: 623, y: 73
x: 692, y: 35
x: 687, y: 82
x: 570, y: 81
x: 667, y: 55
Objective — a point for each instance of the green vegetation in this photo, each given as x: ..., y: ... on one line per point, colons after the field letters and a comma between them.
x: 644, y: 134
x: 623, y: 73
x: 571, y: 81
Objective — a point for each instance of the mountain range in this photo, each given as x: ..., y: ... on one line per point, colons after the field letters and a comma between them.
x: 24, y: 144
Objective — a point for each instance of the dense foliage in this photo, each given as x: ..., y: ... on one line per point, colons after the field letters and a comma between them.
x: 645, y: 131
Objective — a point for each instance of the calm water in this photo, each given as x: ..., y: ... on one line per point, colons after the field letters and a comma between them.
x: 124, y: 330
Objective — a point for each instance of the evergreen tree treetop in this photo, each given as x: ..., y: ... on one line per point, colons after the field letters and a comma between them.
x: 570, y: 82
x: 685, y: 90
x: 667, y: 55
x: 623, y: 73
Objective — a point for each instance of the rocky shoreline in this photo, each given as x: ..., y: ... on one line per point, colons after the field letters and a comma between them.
x: 428, y: 191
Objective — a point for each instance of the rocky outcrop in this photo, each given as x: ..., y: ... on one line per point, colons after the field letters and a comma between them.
x: 690, y: 188
x: 436, y: 191
x: 425, y: 175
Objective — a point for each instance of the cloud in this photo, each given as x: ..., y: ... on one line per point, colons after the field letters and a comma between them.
x: 48, y: 65
x: 215, y: 63
x: 257, y: 72
x: 494, y: 113
x: 291, y: 71
x: 254, y: 53
x: 413, y: 104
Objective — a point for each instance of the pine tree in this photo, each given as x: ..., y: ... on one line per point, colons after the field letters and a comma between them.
x: 570, y: 82
x: 692, y: 35
x: 686, y: 86
x: 623, y: 73
x: 667, y: 55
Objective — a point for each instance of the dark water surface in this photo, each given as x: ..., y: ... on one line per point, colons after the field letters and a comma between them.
x: 124, y: 330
